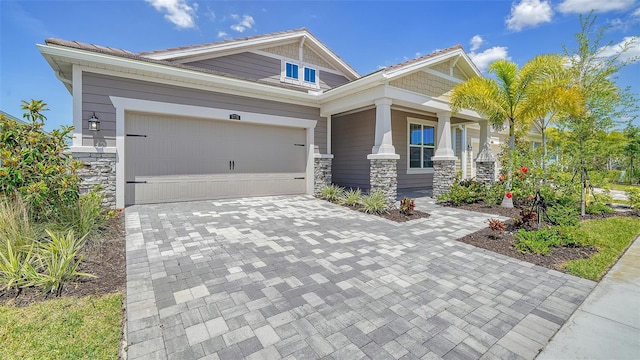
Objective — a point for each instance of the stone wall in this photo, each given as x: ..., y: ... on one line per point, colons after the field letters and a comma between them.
x: 321, y: 174
x: 99, y: 169
x: 444, y: 172
x: 383, y: 176
x: 486, y: 172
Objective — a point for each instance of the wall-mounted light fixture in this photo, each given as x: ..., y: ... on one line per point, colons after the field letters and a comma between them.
x: 94, y: 123
x: 469, y: 147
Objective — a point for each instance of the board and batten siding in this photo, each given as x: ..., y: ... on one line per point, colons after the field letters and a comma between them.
x: 98, y: 87
x: 352, y: 137
x: 400, y: 133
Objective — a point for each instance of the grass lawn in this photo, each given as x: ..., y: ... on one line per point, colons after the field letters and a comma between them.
x: 622, y: 187
x: 611, y: 236
x: 64, y: 328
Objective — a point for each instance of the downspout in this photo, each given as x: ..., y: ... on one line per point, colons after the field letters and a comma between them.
x: 63, y: 79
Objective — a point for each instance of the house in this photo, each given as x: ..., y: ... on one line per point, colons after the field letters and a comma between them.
x: 272, y: 114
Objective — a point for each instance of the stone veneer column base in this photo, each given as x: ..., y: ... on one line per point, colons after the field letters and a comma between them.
x: 99, y: 169
x: 321, y: 173
x: 486, y: 172
x: 383, y: 176
x: 444, y: 173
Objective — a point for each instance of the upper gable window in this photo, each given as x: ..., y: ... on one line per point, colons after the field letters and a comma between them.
x: 292, y: 71
x: 299, y: 74
x: 310, y: 75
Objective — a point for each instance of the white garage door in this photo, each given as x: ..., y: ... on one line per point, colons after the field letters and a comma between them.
x: 182, y: 159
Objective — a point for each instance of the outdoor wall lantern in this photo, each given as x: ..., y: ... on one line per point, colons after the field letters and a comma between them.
x: 469, y: 147
x: 94, y: 123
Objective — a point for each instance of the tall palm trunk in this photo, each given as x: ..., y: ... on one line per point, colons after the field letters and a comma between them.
x: 507, y: 202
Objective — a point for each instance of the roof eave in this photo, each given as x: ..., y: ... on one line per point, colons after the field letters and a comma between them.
x: 77, y: 56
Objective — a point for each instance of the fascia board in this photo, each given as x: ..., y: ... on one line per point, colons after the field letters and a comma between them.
x: 186, y: 74
x: 353, y: 87
x: 435, y: 105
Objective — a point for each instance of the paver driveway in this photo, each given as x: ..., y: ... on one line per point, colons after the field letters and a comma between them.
x: 296, y: 277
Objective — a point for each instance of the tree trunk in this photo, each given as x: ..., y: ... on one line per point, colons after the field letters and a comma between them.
x: 508, y: 202
x: 544, y: 150
x: 583, y: 192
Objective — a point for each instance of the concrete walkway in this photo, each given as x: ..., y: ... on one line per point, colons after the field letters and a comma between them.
x: 607, y: 325
x: 294, y: 277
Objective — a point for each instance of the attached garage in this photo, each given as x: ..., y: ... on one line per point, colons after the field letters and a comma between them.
x: 181, y: 158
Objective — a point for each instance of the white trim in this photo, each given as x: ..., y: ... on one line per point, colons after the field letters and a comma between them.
x: 383, y: 156
x: 423, y: 122
x: 323, y: 156
x: 463, y: 153
x: 444, y: 76
x: 123, y: 105
x: 93, y: 149
x: 77, y: 105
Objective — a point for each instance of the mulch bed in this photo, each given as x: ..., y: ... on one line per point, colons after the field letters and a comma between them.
x: 392, y: 214
x: 105, y: 260
x: 503, y: 243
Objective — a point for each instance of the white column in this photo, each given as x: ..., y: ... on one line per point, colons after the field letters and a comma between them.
x: 329, y: 134
x: 444, y: 150
x: 77, y: 106
x: 383, y: 144
x: 484, y: 133
x: 463, y: 146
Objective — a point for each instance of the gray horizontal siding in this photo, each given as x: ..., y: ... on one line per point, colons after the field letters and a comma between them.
x: 245, y: 65
x: 400, y: 142
x: 330, y: 80
x: 352, y: 137
x: 97, y: 88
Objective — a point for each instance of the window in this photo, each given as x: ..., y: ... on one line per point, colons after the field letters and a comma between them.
x: 292, y: 71
x: 421, y: 145
x: 310, y: 75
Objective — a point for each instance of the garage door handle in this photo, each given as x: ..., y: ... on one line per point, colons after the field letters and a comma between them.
x: 229, y: 164
x: 233, y: 165
x: 136, y: 135
x: 298, y: 178
x: 136, y: 182
x: 298, y: 144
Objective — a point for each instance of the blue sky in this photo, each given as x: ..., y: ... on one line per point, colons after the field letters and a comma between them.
x: 367, y: 34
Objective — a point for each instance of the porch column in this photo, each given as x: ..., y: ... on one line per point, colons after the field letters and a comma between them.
x: 444, y: 160
x: 322, y: 164
x: 383, y: 175
x: 486, y: 161
x: 463, y: 153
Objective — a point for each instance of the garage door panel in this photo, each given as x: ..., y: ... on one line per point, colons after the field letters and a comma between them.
x: 189, y: 159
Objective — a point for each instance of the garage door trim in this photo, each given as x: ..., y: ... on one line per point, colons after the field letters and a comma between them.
x: 123, y: 105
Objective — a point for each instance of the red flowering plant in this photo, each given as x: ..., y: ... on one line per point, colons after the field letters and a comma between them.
x: 525, y: 176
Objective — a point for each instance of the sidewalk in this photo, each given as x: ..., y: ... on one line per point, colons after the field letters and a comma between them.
x: 607, y: 324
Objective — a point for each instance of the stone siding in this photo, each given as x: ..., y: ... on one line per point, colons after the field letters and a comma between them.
x: 444, y: 172
x: 486, y: 172
x: 383, y: 176
x: 321, y: 174
x: 99, y: 169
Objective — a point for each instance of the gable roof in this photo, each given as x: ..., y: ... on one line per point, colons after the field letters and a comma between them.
x: 225, y: 47
x: 11, y: 117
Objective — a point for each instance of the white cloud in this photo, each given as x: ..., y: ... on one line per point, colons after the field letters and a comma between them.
x: 483, y: 59
x: 584, y: 6
x: 636, y: 13
x: 632, y: 53
x: 178, y: 12
x: 476, y: 42
x: 222, y: 34
x: 244, y: 23
x: 529, y: 13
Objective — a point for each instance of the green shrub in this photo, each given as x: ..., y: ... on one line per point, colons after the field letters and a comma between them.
x: 375, y: 203
x: 14, y: 262
x: 634, y: 198
x: 331, y: 192
x: 351, y: 197
x: 56, y: 262
x: 599, y: 208
x: 563, y: 215
x: 493, y: 194
x: 464, y: 191
x: 541, y: 241
x: 86, y: 218
x: 33, y: 163
x: 16, y: 226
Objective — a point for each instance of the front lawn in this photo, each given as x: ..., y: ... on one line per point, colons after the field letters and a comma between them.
x: 65, y: 328
x: 611, y: 236
x: 622, y: 187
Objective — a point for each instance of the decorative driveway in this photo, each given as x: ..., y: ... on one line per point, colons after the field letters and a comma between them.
x: 295, y: 277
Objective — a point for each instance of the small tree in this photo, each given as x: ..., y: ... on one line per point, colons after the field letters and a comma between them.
x: 594, y: 75
x: 632, y: 148
x: 33, y: 163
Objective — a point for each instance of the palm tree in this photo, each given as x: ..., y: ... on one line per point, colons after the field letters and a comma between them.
x: 516, y: 96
